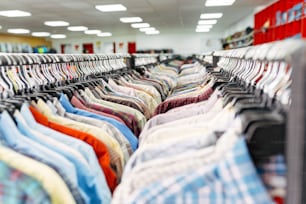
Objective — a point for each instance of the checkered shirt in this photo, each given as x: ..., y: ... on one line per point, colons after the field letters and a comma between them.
x: 232, y: 180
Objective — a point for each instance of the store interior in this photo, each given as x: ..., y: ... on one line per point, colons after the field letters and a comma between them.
x: 86, y: 29
x: 152, y: 101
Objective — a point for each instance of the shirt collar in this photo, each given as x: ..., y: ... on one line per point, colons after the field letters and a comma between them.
x: 26, y: 113
x: 66, y: 104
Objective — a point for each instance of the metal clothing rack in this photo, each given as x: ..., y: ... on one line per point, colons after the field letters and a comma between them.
x: 292, y: 52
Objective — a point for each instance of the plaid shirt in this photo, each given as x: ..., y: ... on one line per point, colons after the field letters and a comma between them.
x: 123, y: 100
x: 129, y: 119
x: 273, y: 173
x: 16, y: 187
x: 232, y: 180
x: 170, y: 104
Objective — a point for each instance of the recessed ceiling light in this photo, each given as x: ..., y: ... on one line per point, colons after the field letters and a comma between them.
x: 211, y: 15
x: 131, y: 20
x: 14, y: 13
x: 202, y: 30
x: 92, y: 32
x: 77, y: 28
x: 58, y: 36
x: 207, y: 22
x: 106, y: 34
x: 219, y: 2
x: 56, y: 23
x: 111, y: 7
x: 154, y: 32
x: 147, y: 29
x: 204, y: 26
x: 40, y: 34
x: 18, y: 31
x: 140, y: 25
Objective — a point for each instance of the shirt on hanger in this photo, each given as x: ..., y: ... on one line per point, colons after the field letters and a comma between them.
x: 99, y: 148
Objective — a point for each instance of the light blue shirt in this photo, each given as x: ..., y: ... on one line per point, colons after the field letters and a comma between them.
x: 11, y: 137
x: 86, y: 180
x: 82, y: 147
x: 121, y: 127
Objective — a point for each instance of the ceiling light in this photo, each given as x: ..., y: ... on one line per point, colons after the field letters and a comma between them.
x: 14, y: 13
x: 58, y: 36
x: 40, y: 34
x: 207, y: 22
x: 92, y: 32
x: 204, y: 26
x: 211, y: 15
x: 77, y: 28
x: 131, y: 20
x: 154, y: 32
x: 18, y: 31
x: 147, y: 29
x: 219, y: 2
x: 202, y: 30
x: 140, y: 25
x: 104, y: 34
x: 111, y: 7
x: 56, y: 23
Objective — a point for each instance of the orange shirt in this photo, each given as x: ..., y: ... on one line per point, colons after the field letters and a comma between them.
x: 99, y: 148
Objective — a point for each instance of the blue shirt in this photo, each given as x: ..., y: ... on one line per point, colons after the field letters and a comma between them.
x: 121, y: 127
x: 11, y: 137
x: 86, y: 180
x: 82, y: 147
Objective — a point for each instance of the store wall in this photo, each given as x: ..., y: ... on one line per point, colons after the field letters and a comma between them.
x: 100, y: 44
x: 33, y: 41
x: 181, y: 42
x: 244, y: 22
x: 247, y: 21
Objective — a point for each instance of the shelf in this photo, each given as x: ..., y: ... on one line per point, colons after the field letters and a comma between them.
x: 245, y: 44
x: 241, y: 38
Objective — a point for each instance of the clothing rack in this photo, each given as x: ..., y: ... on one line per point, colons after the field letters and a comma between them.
x: 139, y: 60
x: 291, y: 52
x: 165, y: 58
x: 64, y: 68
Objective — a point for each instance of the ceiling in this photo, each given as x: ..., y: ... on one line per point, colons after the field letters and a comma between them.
x: 164, y: 15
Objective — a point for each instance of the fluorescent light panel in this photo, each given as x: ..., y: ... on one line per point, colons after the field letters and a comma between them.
x: 92, y: 32
x: 56, y: 23
x: 111, y: 7
x: 204, y: 26
x: 202, y: 30
x: 18, y: 31
x: 77, y: 28
x: 154, y: 32
x: 14, y: 13
x: 106, y: 34
x: 147, y: 29
x: 207, y: 22
x: 40, y: 34
x: 211, y: 15
x: 140, y: 25
x: 219, y: 3
x: 131, y: 20
x: 58, y: 36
